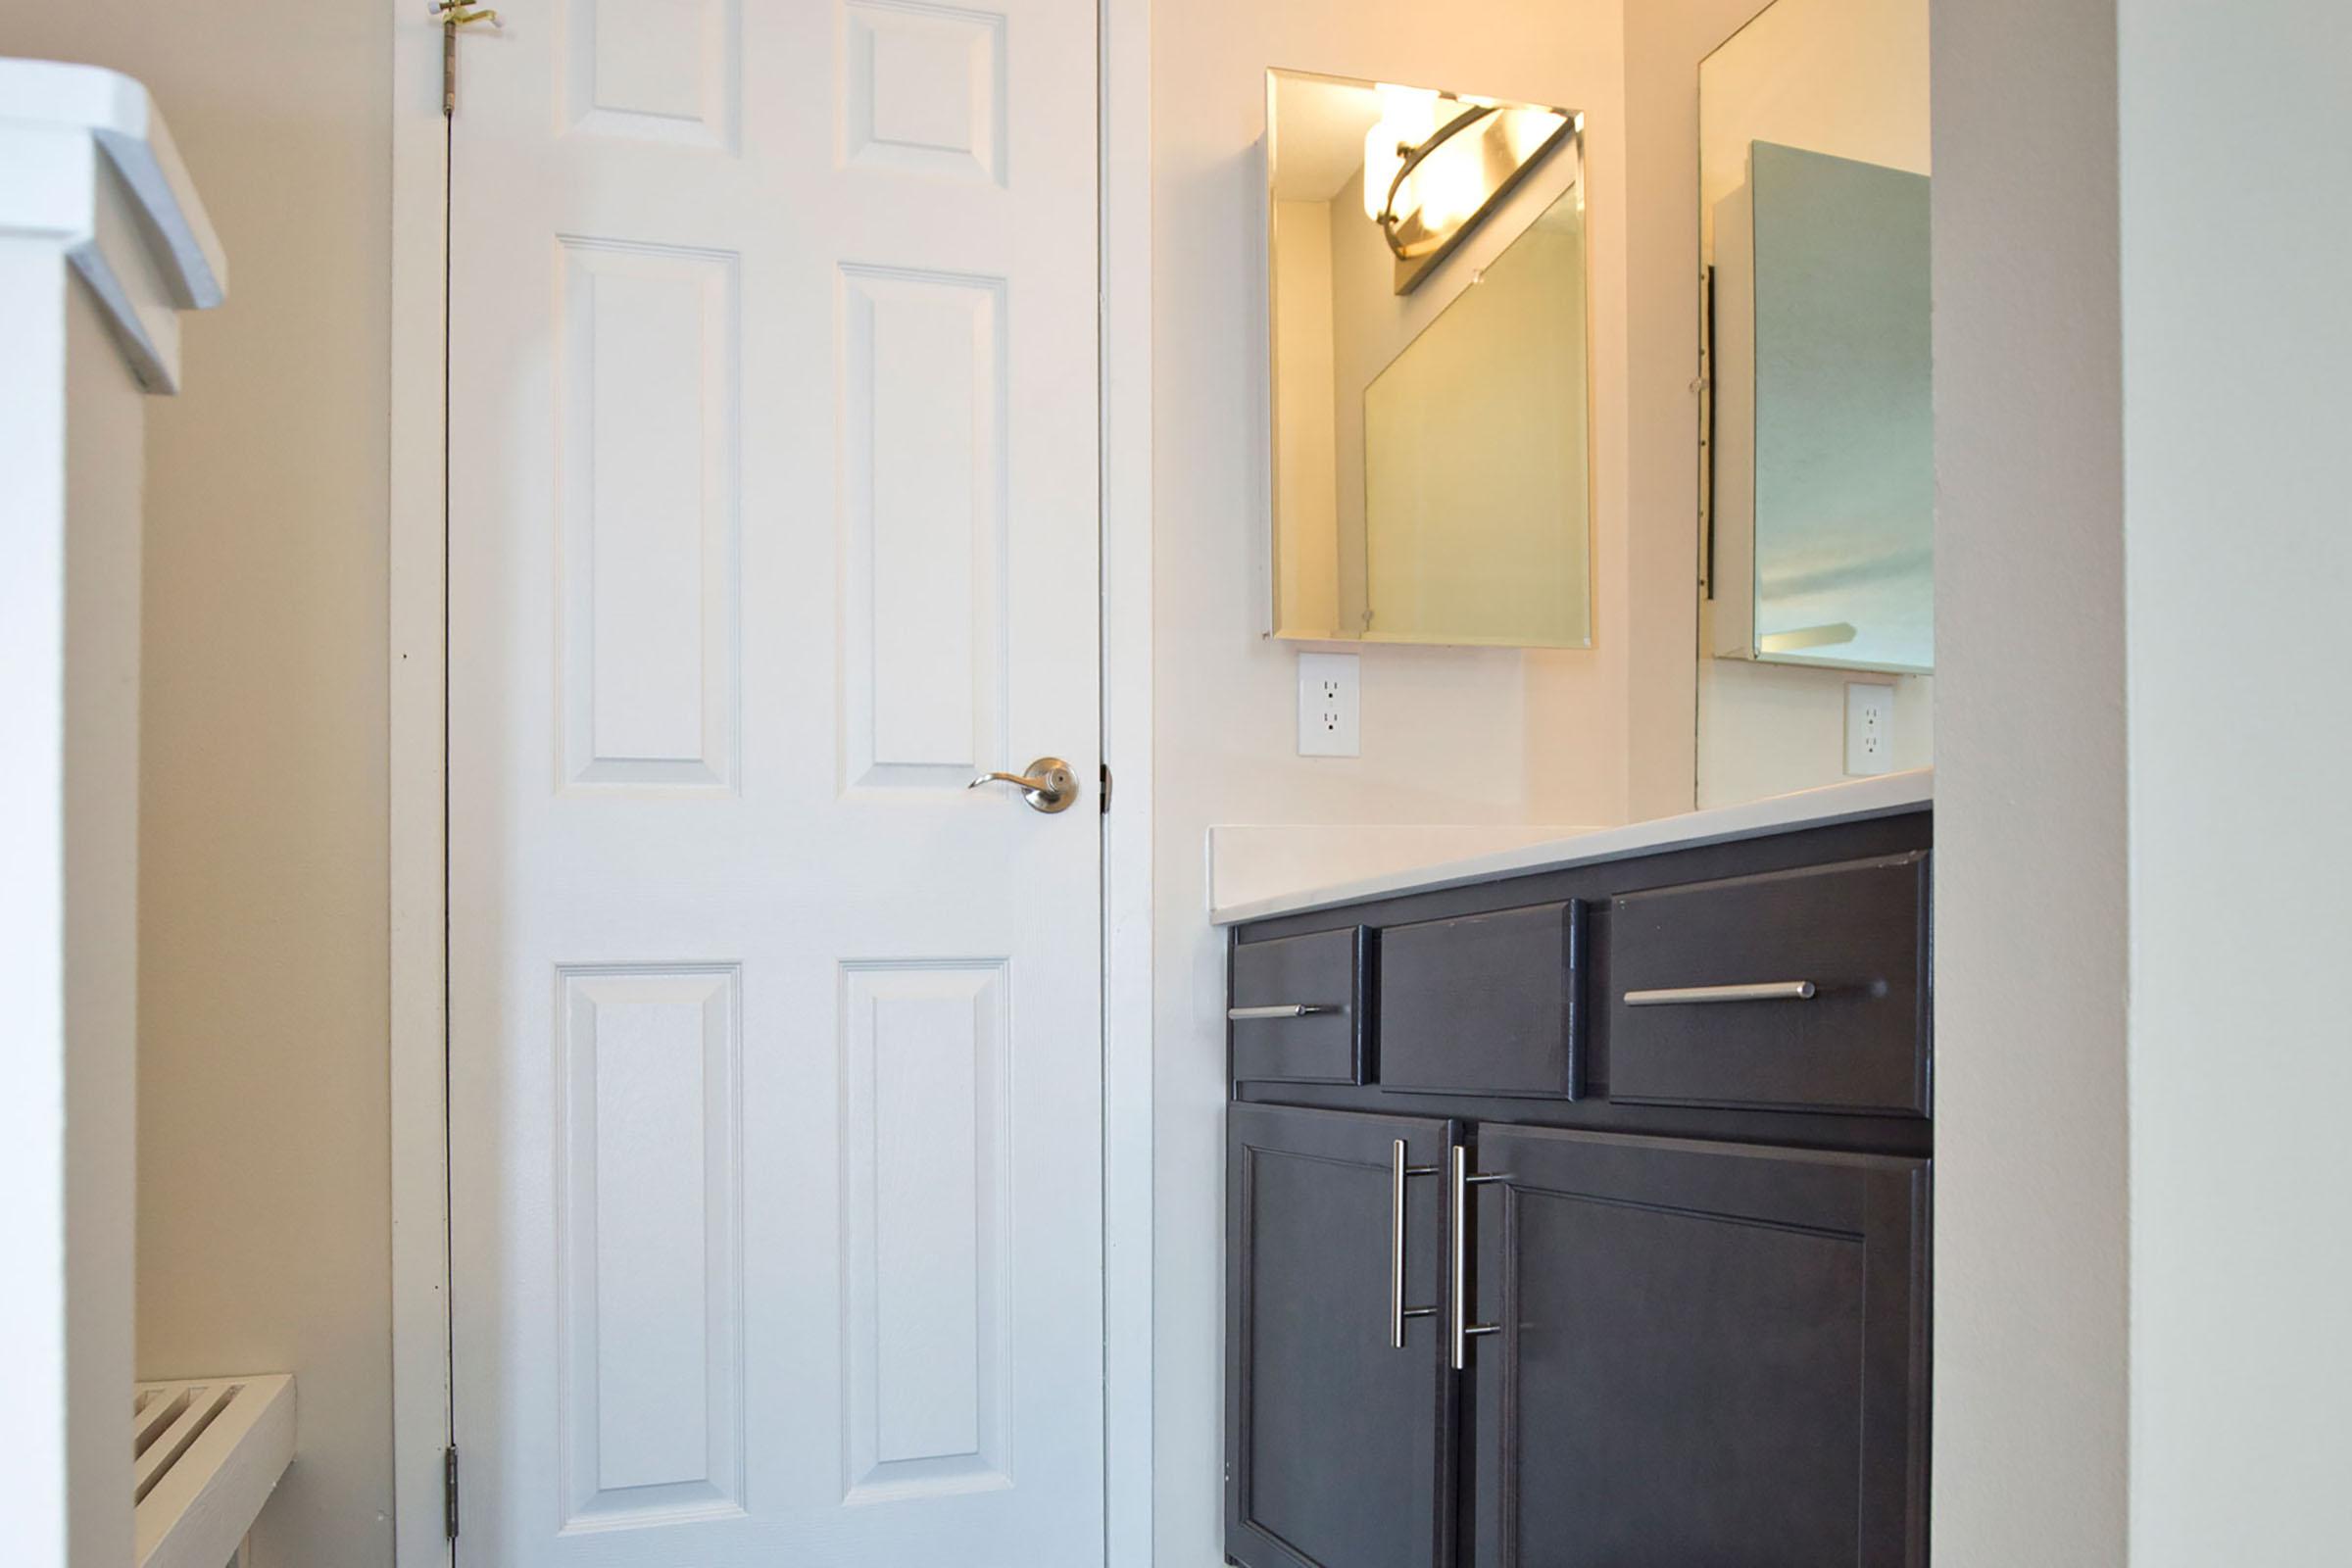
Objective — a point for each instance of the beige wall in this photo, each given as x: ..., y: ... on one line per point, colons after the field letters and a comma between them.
x: 2236, y: 547
x: 2030, y: 944
x: 263, y: 1208
x: 1307, y: 508
x: 1449, y: 735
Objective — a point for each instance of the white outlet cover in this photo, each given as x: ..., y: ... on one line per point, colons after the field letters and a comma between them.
x: 1869, y: 728
x: 1329, y: 706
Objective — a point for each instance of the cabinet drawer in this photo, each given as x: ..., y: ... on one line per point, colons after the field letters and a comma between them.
x: 1802, y: 990
x: 1296, y: 1009
x: 1484, y: 1005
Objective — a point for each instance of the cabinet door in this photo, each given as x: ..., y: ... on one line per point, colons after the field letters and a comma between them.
x: 1705, y: 1353
x: 1340, y: 1439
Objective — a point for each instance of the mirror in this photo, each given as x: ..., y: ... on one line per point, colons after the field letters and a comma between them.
x: 1429, y: 367
x: 1818, y: 481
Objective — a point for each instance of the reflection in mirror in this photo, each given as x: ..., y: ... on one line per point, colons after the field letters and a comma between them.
x: 1817, y: 476
x: 1815, y: 232
x: 1429, y: 367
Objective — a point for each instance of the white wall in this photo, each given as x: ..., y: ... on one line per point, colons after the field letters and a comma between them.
x: 263, y: 1207
x: 1449, y: 735
x: 2030, y: 1361
x: 2236, y: 224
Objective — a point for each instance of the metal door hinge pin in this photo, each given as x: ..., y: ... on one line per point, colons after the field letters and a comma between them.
x: 453, y: 15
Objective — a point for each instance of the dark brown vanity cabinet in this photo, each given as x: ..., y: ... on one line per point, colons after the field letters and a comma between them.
x: 1705, y: 1353
x: 1340, y: 1397
x: 1617, y: 1283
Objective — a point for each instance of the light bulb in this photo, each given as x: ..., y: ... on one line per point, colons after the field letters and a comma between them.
x: 1407, y: 118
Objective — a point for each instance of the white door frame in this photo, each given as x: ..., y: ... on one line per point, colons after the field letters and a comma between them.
x: 420, y: 1322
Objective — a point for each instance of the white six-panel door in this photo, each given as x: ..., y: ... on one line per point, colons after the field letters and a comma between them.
x: 776, y: 1112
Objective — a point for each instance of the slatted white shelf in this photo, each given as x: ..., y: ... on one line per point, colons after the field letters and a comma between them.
x: 208, y: 1452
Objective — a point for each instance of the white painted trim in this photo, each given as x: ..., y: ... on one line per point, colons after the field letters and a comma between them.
x: 204, y: 1497
x: 141, y: 241
x: 420, y: 1153
x: 1124, y: 96
x: 421, y: 1391
x: 116, y: 113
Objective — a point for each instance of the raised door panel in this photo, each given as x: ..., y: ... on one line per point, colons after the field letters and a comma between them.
x: 1339, y: 1441
x: 926, y: 1221
x: 1707, y: 1353
x: 924, y: 700
x: 650, y: 1317
x: 647, y: 491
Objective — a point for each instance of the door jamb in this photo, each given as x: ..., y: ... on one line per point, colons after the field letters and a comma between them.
x: 421, y: 1320
x: 421, y: 1428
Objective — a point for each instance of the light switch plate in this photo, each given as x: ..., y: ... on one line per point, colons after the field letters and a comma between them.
x: 1869, y: 728
x: 1329, y: 706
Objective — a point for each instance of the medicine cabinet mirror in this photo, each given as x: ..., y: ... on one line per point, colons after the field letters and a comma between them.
x: 1818, y: 456
x: 1430, y: 361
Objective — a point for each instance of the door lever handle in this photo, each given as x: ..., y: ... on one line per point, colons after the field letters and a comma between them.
x: 1047, y: 786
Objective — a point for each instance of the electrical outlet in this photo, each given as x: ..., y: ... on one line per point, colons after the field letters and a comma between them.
x: 1329, y: 706
x: 1869, y: 728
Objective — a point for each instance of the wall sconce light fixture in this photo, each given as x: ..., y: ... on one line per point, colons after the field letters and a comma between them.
x: 1435, y: 165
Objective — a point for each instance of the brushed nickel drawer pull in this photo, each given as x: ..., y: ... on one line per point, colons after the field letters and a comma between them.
x: 1458, y: 1214
x: 1399, y: 1170
x: 1284, y: 1010
x: 1680, y: 995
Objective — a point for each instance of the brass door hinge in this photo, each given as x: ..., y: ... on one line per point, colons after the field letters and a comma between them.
x: 453, y: 15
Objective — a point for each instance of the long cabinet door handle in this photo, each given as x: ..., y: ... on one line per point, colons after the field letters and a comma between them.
x: 1399, y: 1170
x: 1686, y: 996
x: 1284, y: 1010
x: 1458, y: 1217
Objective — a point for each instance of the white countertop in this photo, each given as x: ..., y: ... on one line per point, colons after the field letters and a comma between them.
x: 1853, y: 801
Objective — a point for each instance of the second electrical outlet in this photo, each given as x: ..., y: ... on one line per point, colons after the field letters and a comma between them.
x: 1329, y: 706
x: 1869, y: 728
